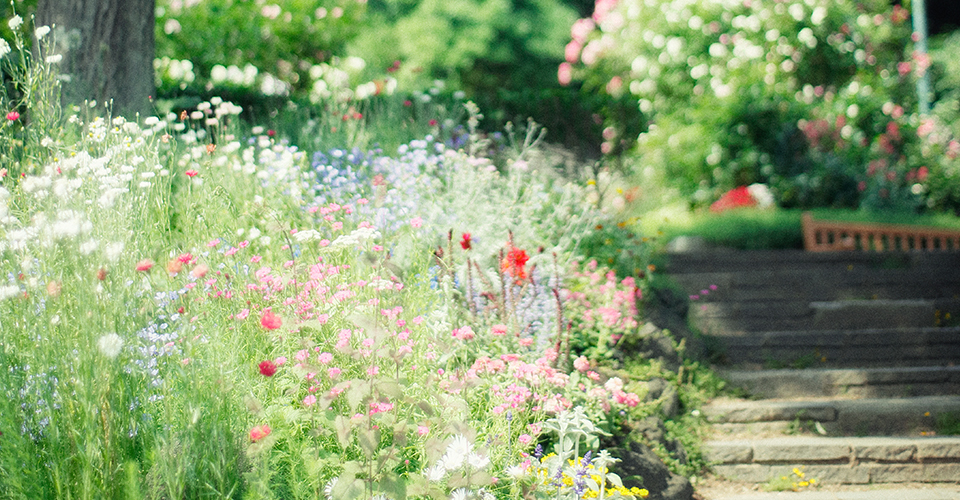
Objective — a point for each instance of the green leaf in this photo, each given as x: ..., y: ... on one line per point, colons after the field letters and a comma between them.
x: 390, y: 389
x: 393, y: 485
x: 369, y: 440
x: 348, y: 487
x: 343, y: 427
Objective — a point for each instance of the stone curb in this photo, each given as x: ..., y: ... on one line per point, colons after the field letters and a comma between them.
x: 894, y: 494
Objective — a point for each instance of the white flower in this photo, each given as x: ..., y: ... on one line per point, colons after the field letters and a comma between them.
x: 15, y: 22
x: 478, y: 461
x: 54, y: 59
x: 306, y: 235
x: 9, y: 291
x: 328, y: 488
x: 516, y: 472
x: 4, y: 47
x: 113, y: 251
x: 110, y: 345
x: 41, y: 32
x: 436, y: 472
x: 458, y: 494
x: 457, y: 452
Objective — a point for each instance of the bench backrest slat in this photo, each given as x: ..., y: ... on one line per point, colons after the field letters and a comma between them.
x: 831, y: 236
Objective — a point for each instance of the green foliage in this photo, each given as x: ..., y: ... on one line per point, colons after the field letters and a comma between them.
x: 814, y: 99
x: 285, y: 38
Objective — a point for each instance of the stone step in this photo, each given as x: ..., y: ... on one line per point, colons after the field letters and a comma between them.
x: 740, y: 318
x: 885, y: 491
x: 835, y: 417
x: 820, y: 284
x: 678, y: 263
x: 843, y: 348
x: 883, y: 382
x: 843, y: 460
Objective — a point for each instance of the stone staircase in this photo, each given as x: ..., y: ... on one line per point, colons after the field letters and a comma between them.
x: 847, y: 363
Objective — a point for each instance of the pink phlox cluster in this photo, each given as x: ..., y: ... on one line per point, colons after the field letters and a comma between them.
x: 463, y: 333
x: 343, y: 339
x: 380, y: 407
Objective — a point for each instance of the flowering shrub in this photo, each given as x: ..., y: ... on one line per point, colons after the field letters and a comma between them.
x: 813, y: 98
x: 600, y: 309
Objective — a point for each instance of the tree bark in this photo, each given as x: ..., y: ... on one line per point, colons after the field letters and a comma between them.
x: 108, y: 50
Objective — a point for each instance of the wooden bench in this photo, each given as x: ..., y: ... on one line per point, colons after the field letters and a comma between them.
x: 827, y: 236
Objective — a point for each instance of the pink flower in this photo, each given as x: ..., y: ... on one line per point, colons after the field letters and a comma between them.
x: 525, y: 342
x: 270, y: 321
x: 192, y: 173
x: 280, y: 361
x: 13, y: 116
x: 243, y: 314
x: 325, y: 357
x: 333, y: 372
x: 416, y: 222
x: 144, y: 265
x: 565, y: 73
x: 581, y: 29
x: 581, y: 364
x: 572, y: 51
x: 525, y: 439
x: 903, y: 68
x: 259, y: 432
x: 422, y: 430
x: 309, y: 400
x: 464, y: 333
x: 373, y: 371
x: 498, y: 330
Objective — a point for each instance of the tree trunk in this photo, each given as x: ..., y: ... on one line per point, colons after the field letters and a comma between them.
x: 107, y: 48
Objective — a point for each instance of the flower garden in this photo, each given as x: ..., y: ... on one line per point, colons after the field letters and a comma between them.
x: 378, y: 299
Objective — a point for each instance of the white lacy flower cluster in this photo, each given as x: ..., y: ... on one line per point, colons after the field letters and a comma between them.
x: 459, y: 455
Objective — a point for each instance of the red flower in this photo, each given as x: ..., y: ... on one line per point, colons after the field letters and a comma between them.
x: 259, y: 432
x: 465, y: 242
x: 514, y: 263
x: 13, y: 116
x: 267, y: 368
x: 144, y: 265
x: 735, y: 198
x: 192, y: 173
x: 269, y: 320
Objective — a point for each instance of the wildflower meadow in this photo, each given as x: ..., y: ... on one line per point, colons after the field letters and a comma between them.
x: 194, y: 307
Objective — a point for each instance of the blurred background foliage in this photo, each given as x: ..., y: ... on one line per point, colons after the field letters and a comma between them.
x: 684, y: 98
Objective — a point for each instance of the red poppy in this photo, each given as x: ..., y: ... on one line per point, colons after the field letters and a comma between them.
x: 465, y: 242
x: 514, y: 263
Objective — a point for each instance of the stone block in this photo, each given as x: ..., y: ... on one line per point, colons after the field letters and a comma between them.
x: 837, y: 474
x: 885, y: 450
x: 895, y: 473
x: 728, y: 452
x: 938, y: 448
x: 941, y: 473
x: 801, y: 450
